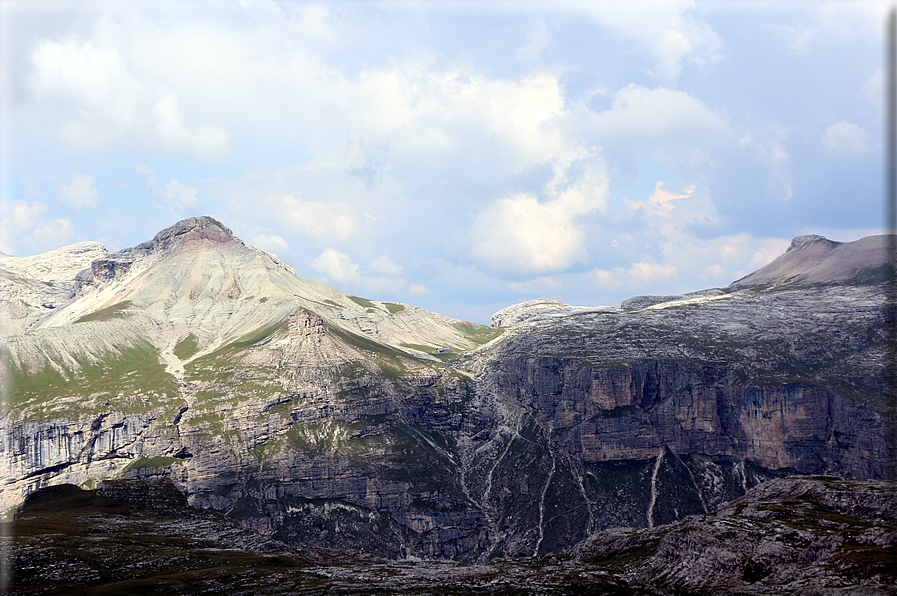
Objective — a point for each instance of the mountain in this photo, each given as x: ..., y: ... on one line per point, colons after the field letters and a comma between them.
x: 325, y: 420
x: 816, y: 260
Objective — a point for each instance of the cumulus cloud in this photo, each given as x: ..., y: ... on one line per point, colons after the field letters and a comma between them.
x: 873, y: 89
x: 518, y: 234
x: 319, y: 219
x: 339, y: 268
x: 23, y: 228
x: 269, y: 242
x: 661, y: 117
x: 112, y: 107
x: 639, y: 277
x: 768, y: 144
x: 385, y: 266
x: 650, y: 272
x: 179, y: 195
x: 661, y: 202
x: 80, y: 192
x: 846, y: 138
x: 841, y: 20
x: 665, y: 28
x: 178, y: 198
x: 538, y: 285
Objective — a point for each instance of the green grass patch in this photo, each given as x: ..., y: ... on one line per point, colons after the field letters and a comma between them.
x: 133, y: 371
x: 386, y: 357
x: 116, y: 311
x: 364, y: 302
x: 420, y: 347
x: 186, y: 347
x: 223, y: 355
x: 478, y: 334
x: 7, y: 515
x: 263, y: 452
x: 393, y: 308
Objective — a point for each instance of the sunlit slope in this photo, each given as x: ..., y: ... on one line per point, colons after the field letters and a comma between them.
x: 197, y: 291
x: 196, y: 277
x: 814, y: 260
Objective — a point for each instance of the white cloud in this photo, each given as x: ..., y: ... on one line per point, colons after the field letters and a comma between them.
x: 81, y: 192
x: 341, y: 270
x: 839, y: 20
x: 845, y: 138
x: 112, y: 107
x: 23, y: 229
x: 643, y: 276
x: 318, y: 219
x: 152, y: 179
x: 664, y: 28
x: 609, y: 279
x: 179, y: 198
x: 518, y: 234
x: 769, y: 250
x: 419, y: 289
x: 873, y: 89
x: 768, y: 143
x: 336, y: 266
x: 179, y: 195
x: 651, y: 272
x: 661, y: 202
x: 662, y: 117
x: 385, y: 266
x: 538, y: 39
x: 268, y: 242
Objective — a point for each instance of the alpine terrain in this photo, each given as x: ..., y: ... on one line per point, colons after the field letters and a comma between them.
x: 329, y: 421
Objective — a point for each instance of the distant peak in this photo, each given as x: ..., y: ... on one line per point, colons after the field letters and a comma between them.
x: 801, y: 242
x: 813, y: 260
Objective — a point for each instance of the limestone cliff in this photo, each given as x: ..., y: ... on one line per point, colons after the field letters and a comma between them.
x: 323, y: 419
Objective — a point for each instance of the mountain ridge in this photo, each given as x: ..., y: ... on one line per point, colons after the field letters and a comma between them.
x: 323, y: 419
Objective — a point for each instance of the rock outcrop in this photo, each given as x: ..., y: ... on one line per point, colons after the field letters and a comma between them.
x: 818, y: 535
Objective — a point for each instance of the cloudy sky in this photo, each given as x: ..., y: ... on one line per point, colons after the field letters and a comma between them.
x: 461, y: 156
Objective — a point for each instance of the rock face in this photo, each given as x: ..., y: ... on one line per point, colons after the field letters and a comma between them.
x: 322, y: 419
x: 818, y: 535
x: 821, y: 535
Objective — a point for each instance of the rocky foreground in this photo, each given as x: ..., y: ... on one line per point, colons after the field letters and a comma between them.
x: 807, y: 535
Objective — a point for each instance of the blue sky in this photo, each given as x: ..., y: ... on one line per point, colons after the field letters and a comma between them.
x: 460, y: 156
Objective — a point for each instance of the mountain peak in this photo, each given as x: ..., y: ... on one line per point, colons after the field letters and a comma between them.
x: 802, y: 242
x: 192, y: 229
x: 813, y: 259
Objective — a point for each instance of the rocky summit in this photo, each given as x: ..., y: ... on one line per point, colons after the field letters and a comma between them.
x: 329, y: 421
